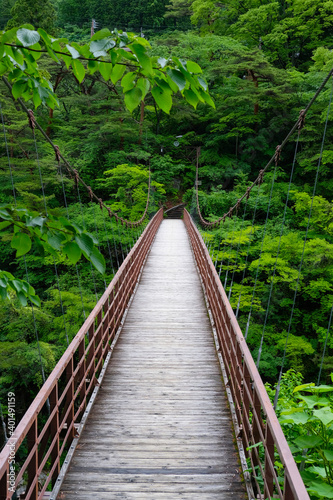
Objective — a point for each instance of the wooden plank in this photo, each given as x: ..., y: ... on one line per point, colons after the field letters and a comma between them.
x: 160, y: 427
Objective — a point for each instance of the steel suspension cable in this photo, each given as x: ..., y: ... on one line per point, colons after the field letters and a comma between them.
x: 70, y: 169
x: 84, y: 225
x: 279, y: 245
x: 248, y: 249
x: 273, y: 158
x: 46, y: 213
x: 303, y: 250
x: 25, y: 262
x: 238, y: 248
x: 260, y: 254
x: 67, y: 212
x: 325, y: 346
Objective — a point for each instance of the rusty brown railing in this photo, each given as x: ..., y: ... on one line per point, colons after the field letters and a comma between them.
x: 43, y: 438
x: 264, y: 443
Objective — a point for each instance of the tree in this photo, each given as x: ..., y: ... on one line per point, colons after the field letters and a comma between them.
x: 39, y: 13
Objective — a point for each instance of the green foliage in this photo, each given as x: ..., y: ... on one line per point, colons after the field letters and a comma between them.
x: 50, y: 235
x: 306, y: 415
x: 22, y: 47
x: 41, y: 13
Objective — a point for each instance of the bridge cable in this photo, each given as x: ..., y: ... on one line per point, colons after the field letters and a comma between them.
x: 325, y: 346
x: 108, y: 242
x: 97, y: 233
x: 25, y: 262
x: 72, y: 170
x: 67, y: 212
x: 230, y: 250
x: 84, y: 226
x: 303, y: 251
x: 32, y: 126
x: 237, y: 249
x: 280, y: 239
x: 272, y: 159
x: 248, y: 247
x: 260, y: 254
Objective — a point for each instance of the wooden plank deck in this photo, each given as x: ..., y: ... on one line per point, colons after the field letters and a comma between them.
x: 160, y: 427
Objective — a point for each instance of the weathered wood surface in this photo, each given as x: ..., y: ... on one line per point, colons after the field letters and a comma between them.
x: 160, y: 427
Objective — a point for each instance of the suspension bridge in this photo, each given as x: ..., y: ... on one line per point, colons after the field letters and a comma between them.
x: 157, y: 396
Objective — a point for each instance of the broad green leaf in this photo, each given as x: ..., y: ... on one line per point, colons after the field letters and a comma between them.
x: 328, y: 455
x: 312, y: 401
x: 35, y: 55
x: 18, y: 88
x: 193, y: 67
x: 5, y: 224
x: 100, y: 47
x: 99, y: 35
x: 22, y: 298
x: 75, y: 54
x: 17, y: 56
x: 325, y: 415
x: 298, y: 417
x: 144, y: 60
x: 319, y: 471
x: 92, y: 66
x: 206, y: 97
x: 304, y: 387
x: 323, y: 388
x: 36, y: 98
x: 52, y: 54
x: 162, y: 98
x: 85, y: 242
x: 177, y: 77
x: 308, y: 441
x: 191, y: 98
x: 35, y: 300
x: 36, y: 221
x: 105, y: 70
x: 45, y: 37
x: 117, y: 72
x: 78, y: 70
x: 21, y: 242
x: 162, y: 61
x: 127, y: 81
x: 203, y: 83
x: 9, y: 36
x: 17, y: 285
x: 144, y: 85
x: 321, y: 489
x: 55, y: 241
x: 67, y: 60
x: 133, y: 98
x: 97, y: 260
x: 72, y: 251
x: 27, y: 37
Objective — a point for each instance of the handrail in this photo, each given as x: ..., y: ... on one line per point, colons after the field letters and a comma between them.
x: 262, y: 437
x: 67, y: 391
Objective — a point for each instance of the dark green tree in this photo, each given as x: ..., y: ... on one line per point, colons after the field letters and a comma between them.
x: 39, y: 13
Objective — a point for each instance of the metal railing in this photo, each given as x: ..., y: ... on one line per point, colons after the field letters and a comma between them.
x: 44, y: 435
x: 273, y: 471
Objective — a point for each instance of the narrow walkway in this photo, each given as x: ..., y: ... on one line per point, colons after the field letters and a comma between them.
x: 160, y: 426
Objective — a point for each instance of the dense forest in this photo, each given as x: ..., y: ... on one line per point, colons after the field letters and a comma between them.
x: 263, y: 61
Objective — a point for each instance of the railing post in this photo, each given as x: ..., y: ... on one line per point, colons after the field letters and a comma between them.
x: 82, y: 374
x: 54, y: 431
x: 269, y: 454
x: 70, y: 397
x: 33, y: 463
